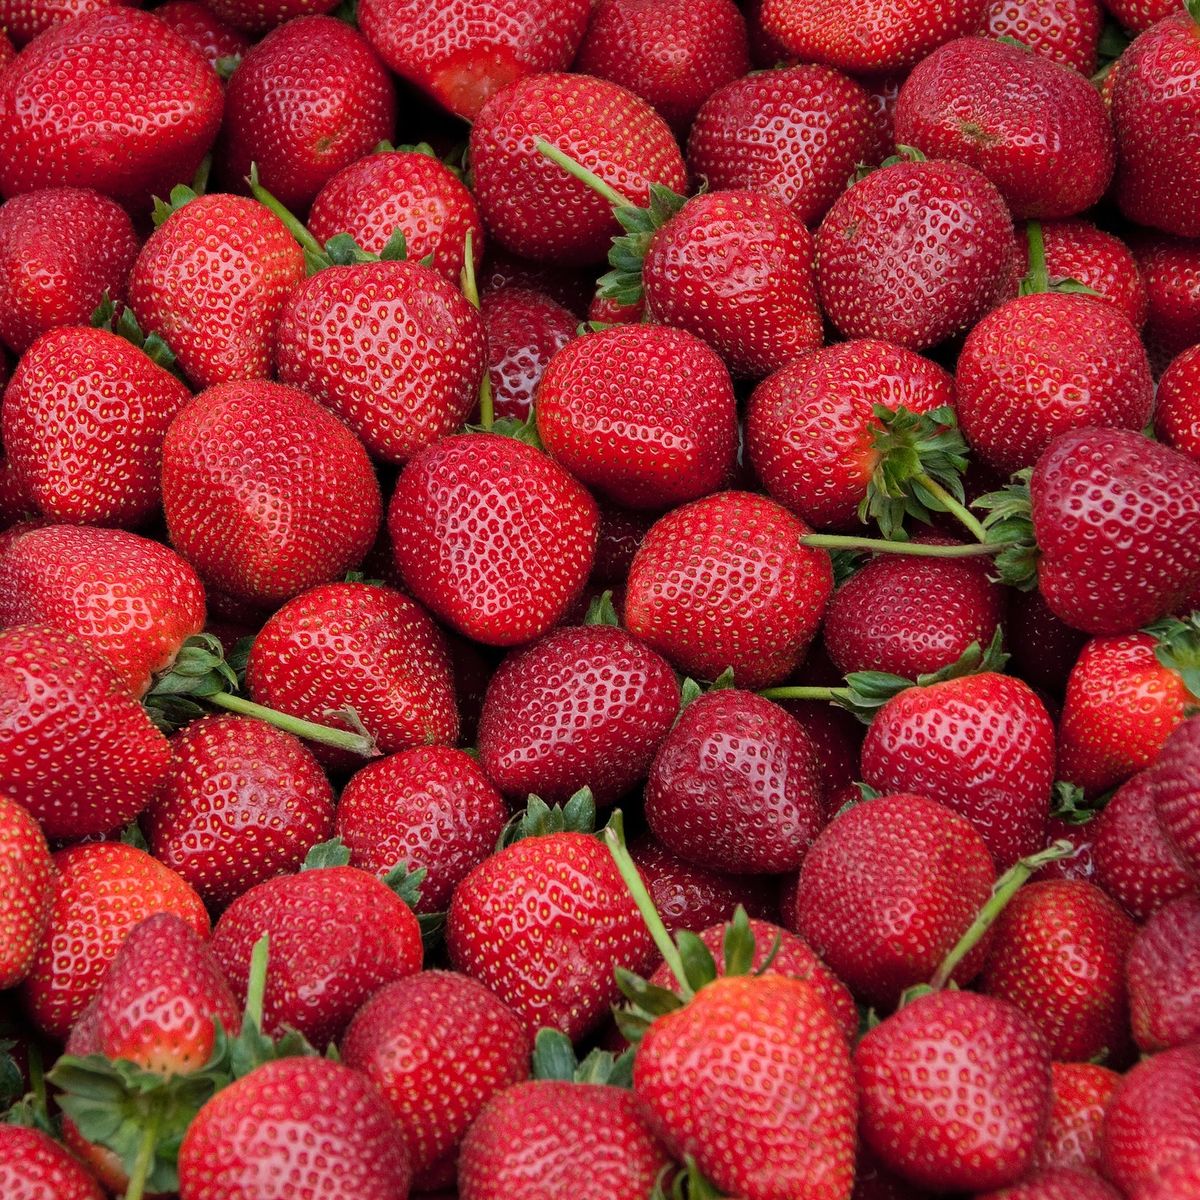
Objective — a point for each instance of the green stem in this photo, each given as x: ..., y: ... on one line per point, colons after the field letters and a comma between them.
x: 836, y: 541
x: 1037, y: 278
x: 470, y: 289
x: 295, y: 226
x: 145, y: 1156
x: 37, y: 1082
x: 580, y: 172
x: 952, y: 506
x: 805, y: 693
x: 256, y: 986
x: 341, y: 739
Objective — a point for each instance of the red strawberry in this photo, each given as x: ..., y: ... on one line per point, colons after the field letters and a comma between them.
x: 7, y: 50
x: 572, y: 287
x: 798, y: 133
x: 1138, y: 15
x: 729, y: 552
x: 1043, y: 647
x: 306, y: 101
x: 304, y: 1128
x: 955, y: 1091
x: 1163, y: 973
x: 611, y: 409
x: 1056, y: 1183
x: 914, y: 253
x: 23, y: 20
x: 1170, y: 270
x: 242, y: 802
x: 438, y: 1046
x: 26, y: 885
x: 61, y: 250
x: 133, y: 602
x: 203, y: 30
x: 114, y: 100
x: 1181, y: 1178
x: 84, y: 418
x: 494, y: 536
x: 78, y: 750
x: 430, y: 807
x: 1177, y: 419
x: 102, y: 891
x: 1066, y: 31
x: 525, y: 329
x: 1079, y: 1097
x: 33, y: 1167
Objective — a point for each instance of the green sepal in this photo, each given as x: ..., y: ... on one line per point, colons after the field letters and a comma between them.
x: 1192, y: 8
x: 631, y: 1024
x: 1014, y: 42
x: 602, y: 611
x: 904, y: 154
x: 737, y: 944
x: 698, y: 961
x: 1068, y: 803
x: 723, y: 682
x: 684, y: 1183
x: 1009, y: 522
x: 406, y: 882
x: 181, y: 194
x: 200, y: 669
x: 346, y: 12
x: 12, y: 1082
x: 125, y: 325
x: 235, y: 1057
x: 522, y: 431
x: 846, y: 563
x: 132, y: 835
x: 554, y: 1058
x: 1178, y: 647
x: 1037, y: 279
x: 1114, y: 41
x: 227, y: 64
x: 433, y: 929
x: 333, y: 853
x: 238, y: 658
x: 689, y: 691
x: 915, y: 993
x: 30, y: 1114
x: 538, y: 819
x: 623, y: 283
x: 865, y: 792
x: 647, y: 998
x: 586, y: 327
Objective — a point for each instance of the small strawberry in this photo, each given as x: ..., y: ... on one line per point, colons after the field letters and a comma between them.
x: 1163, y: 974
x: 1067, y: 31
x: 203, y: 30
x: 1170, y: 271
x: 1055, y: 1183
x: 525, y: 329
x: 26, y: 888
x: 1080, y: 1093
x: 1177, y: 419
x: 33, y: 1166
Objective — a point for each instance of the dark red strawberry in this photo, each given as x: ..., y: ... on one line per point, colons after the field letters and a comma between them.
x: 1170, y: 270
x: 1079, y: 1096
x: 1056, y: 1183
x: 572, y: 287
x: 203, y: 30
x: 524, y: 329
x: 1163, y: 973
x: 1138, y: 15
x: 1175, y: 781
x: 33, y: 1166
x: 1067, y: 31
x: 1177, y: 419
x: 26, y: 885
x: 1043, y: 647
x: 7, y: 50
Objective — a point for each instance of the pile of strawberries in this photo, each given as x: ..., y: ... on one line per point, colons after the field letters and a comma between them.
x: 600, y: 600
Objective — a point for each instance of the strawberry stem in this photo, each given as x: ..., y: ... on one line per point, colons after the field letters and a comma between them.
x: 805, y: 693
x: 312, y: 248
x: 470, y: 289
x: 145, y: 1156
x: 1037, y: 279
x: 952, y: 506
x: 341, y: 739
x: 256, y: 986
x: 836, y: 541
x: 580, y: 172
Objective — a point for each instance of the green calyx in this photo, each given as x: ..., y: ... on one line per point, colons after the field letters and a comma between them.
x: 402, y: 879
x: 539, y: 819
x: 1178, y: 647
x: 690, y: 690
x: 513, y: 427
x: 602, y: 611
x: 181, y: 196
x: 683, y: 1183
x: 125, y: 325
x: 1009, y: 529
x: 1192, y: 8
x: 1037, y: 279
x: 554, y: 1058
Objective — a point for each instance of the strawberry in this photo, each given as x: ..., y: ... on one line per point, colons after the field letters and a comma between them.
x: 1067, y: 31
x: 296, y: 1128
x: 203, y: 30
x: 1079, y: 1096
x: 798, y: 133
x: 888, y: 889
x: 430, y: 807
x: 23, y: 20
x: 672, y: 53
x: 33, y: 1167
x: 1163, y: 974
x: 1138, y: 15
x: 26, y: 885
x: 524, y: 329
x: 84, y: 418
x: 494, y: 536
x: 7, y: 50
x: 1170, y: 270
x: 438, y: 1046
x: 914, y: 253
x: 78, y: 750
x: 729, y: 551
x: 266, y: 492
x: 134, y: 602
x: 1181, y: 1178
x: 572, y: 287
x: 1177, y: 419
x: 530, y: 205
x: 1056, y: 1183
x: 61, y: 250
x: 955, y: 1091
x: 242, y: 802
x: 102, y: 890
x: 306, y: 101
x: 585, y: 706
x: 611, y: 410
x: 1156, y: 113
x: 115, y: 101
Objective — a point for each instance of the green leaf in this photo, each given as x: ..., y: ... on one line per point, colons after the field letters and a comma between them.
x: 737, y: 946
x: 333, y: 853
x: 845, y: 564
x: 689, y: 690
x: 227, y: 64
x: 132, y: 835
x: 538, y: 819
x: 553, y: 1056
x: 623, y: 283
x: 523, y: 431
x: 601, y: 611
x: 650, y: 999
x: 406, y: 882
x: 1178, y: 648
x: 723, y: 682
x: 433, y: 930
x: 395, y: 249
x: 1068, y: 803
x: 698, y: 962
x: 1009, y: 522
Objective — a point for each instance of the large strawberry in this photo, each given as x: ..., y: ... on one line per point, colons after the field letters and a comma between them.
x: 1175, y: 784
x: 1177, y: 417
x: 1080, y: 1093
x: 1163, y: 973
x: 1067, y: 31
x: 26, y: 887
x: 525, y: 330
x: 33, y: 1166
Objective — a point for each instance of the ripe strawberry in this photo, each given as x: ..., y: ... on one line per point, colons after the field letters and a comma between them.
x: 1080, y: 1093
x: 1163, y: 974
x: 298, y: 1128
x: 572, y: 287
x: 78, y: 750
x: 729, y: 552
x: 914, y: 253
x: 1181, y: 1178
x: 1170, y: 270
x: 1177, y: 419
x: 306, y: 101
x: 611, y: 409
x: 1067, y: 31
x: 955, y: 1091
x: 203, y: 30
x: 33, y: 1167
x: 134, y: 602
x: 114, y: 100
x: 84, y: 418
x: 438, y: 1046
x: 7, y: 50
x: 1056, y: 1183
x: 524, y: 329
x: 494, y: 536
x: 531, y: 206
x: 103, y: 889
x: 61, y: 250
x: 242, y: 802
x: 431, y: 807
x: 26, y: 885
x: 1138, y: 15
x: 798, y: 133
x: 1176, y: 794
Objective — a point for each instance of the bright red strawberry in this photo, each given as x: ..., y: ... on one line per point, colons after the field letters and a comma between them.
x: 643, y: 414
x: 102, y: 891
x: 203, y: 30
x: 798, y: 133
x: 1163, y: 973
x: 914, y: 253
x: 77, y: 750
x: 1067, y: 31
x: 729, y: 552
x: 306, y: 101
x: 1056, y: 1183
x: 26, y: 888
x: 7, y: 50
x: 533, y: 207
x: 1080, y: 1093
x: 134, y: 602
x: 295, y: 1129
x: 84, y: 418
x: 33, y: 1167
x: 1177, y: 419
x: 525, y: 329
x: 23, y: 20
x: 61, y: 251
x: 114, y: 100
x: 1170, y: 270
x: 493, y: 535
x: 1175, y: 781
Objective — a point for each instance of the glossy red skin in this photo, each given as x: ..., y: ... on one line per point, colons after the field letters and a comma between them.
x: 1170, y: 270
x: 1066, y: 31
x: 303, y: 1128
x: 1079, y: 1097
x: 1138, y: 15
x: 78, y: 752
x: 1117, y: 519
x: 752, y: 1078
x: 360, y: 645
x: 1176, y: 786
x: 114, y: 100
x: 1056, y: 1183
x: 535, y: 209
x: 798, y: 133
x: 23, y: 20
x: 914, y: 253
x: 266, y: 492
x: 546, y: 1139
x: 524, y: 330
x: 1156, y: 115
x: 61, y: 250
x: 438, y: 1046
x: 134, y: 602
x: 837, y: 736
x: 643, y: 414
x: 493, y: 536
x: 735, y: 268
x: 1181, y: 1178
x: 542, y: 924
x: 810, y: 426
x: 306, y: 101
x: 1177, y: 419
x: 26, y: 886
x: 34, y: 1166
x: 7, y: 50
x: 103, y: 889
x: 199, y: 26
x: 1163, y: 975
x: 242, y: 802
x: 730, y: 551
x: 84, y: 417
x: 430, y: 807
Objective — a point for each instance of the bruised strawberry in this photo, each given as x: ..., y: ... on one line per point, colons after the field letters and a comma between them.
x: 1177, y: 418
x: 1080, y: 1093
x: 33, y: 1166
x: 1067, y: 31
x: 203, y: 30
x: 26, y: 888
x: 1163, y: 973
x: 525, y: 329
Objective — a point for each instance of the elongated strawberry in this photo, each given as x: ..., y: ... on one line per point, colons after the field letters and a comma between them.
x: 1080, y: 1093
x: 525, y: 329
x: 34, y: 1166
x: 26, y: 885
x: 1163, y: 973
x: 1067, y: 31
